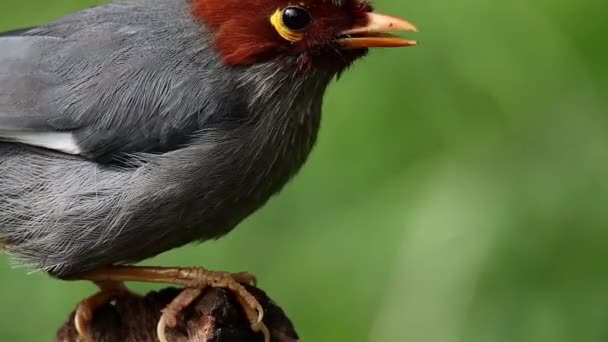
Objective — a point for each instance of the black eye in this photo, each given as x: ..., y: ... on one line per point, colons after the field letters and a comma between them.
x: 296, y: 18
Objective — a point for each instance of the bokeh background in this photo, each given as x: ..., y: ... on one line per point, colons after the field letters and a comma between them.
x: 459, y: 190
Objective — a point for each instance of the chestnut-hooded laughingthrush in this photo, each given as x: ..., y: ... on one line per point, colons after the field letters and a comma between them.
x: 132, y: 128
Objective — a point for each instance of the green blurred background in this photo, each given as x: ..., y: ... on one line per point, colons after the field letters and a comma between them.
x: 459, y: 190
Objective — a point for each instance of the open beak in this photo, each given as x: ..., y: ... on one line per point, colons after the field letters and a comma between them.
x: 372, y: 33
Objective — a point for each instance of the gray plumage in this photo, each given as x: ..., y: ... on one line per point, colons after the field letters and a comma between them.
x: 122, y: 135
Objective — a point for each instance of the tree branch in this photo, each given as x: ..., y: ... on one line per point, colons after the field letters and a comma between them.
x: 215, y: 317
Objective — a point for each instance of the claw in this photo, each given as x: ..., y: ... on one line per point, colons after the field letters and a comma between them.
x: 82, y: 319
x: 200, y: 279
x: 161, y: 329
x: 109, y: 291
x: 194, y: 279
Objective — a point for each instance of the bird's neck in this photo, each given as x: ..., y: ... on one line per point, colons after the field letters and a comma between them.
x: 250, y: 161
x: 286, y: 109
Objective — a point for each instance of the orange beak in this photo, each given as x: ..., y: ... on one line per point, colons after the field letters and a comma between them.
x: 372, y: 33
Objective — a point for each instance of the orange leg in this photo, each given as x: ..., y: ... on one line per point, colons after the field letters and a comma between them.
x: 195, y: 280
x: 109, y: 291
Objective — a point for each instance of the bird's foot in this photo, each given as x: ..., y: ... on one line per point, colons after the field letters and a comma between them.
x: 109, y: 291
x: 195, y: 280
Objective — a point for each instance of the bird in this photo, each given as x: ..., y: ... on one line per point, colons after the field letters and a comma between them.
x: 135, y: 127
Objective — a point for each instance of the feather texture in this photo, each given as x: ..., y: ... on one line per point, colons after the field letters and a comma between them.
x: 203, y: 145
x: 59, y: 141
x: 119, y: 78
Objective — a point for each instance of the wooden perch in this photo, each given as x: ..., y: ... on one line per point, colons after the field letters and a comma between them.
x: 215, y: 317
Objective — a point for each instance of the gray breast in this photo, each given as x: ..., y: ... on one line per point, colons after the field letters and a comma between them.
x: 66, y: 215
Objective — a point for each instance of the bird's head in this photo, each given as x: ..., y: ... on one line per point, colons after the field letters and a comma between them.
x: 305, y: 34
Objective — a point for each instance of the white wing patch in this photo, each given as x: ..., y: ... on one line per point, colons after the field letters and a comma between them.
x: 59, y: 141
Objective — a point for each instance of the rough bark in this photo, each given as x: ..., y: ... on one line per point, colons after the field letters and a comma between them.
x: 215, y: 317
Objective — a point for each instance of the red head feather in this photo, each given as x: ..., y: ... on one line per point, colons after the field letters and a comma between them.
x: 244, y: 33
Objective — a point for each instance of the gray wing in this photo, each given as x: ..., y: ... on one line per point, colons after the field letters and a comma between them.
x: 111, y: 80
